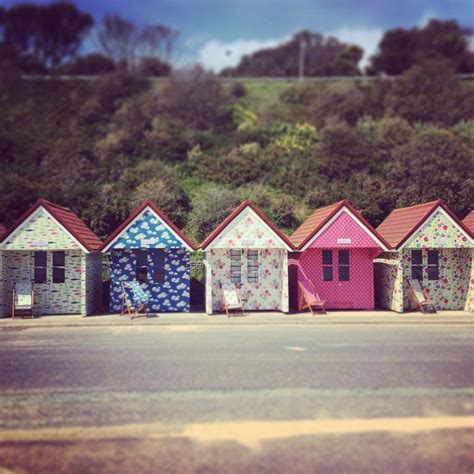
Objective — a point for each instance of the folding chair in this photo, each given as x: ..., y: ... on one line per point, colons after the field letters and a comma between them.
x: 23, y: 299
x: 311, y: 298
x: 138, y: 301
x: 231, y: 301
x: 421, y: 297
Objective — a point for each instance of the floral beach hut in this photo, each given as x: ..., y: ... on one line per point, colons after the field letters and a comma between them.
x: 247, y: 251
x: 148, y: 248
x: 431, y: 247
x: 50, y: 249
x: 336, y: 249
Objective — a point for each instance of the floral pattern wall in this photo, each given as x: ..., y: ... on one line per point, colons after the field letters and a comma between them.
x: 248, y: 232
x: 453, y: 289
x: 147, y: 232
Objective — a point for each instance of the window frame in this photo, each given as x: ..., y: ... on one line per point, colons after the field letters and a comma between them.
x: 158, y: 258
x: 328, y: 265
x: 141, y: 271
x: 416, y: 268
x: 235, y: 262
x: 253, y: 267
x: 59, y: 269
x: 37, y: 267
x: 343, y: 266
x: 433, y: 267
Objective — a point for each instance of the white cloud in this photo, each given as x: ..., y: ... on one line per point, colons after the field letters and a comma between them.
x: 218, y: 55
x: 367, y: 39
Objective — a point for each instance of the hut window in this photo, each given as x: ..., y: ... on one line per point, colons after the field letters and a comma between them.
x: 158, y: 257
x: 433, y: 265
x: 327, y: 265
x: 40, y: 267
x: 59, y: 264
x: 416, y: 265
x: 235, y: 266
x: 252, y: 266
x: 343, y: 265
x: 142, y: 269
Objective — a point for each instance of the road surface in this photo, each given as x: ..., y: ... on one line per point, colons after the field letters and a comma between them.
x: 196, y: 398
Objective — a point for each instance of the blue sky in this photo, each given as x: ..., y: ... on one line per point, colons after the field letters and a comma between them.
x: 211, y: 28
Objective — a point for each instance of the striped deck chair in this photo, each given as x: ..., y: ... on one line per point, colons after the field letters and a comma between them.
x: 138, y: 301
x: 311, y: 298
x: 23, y: 300
x: 421, y: 297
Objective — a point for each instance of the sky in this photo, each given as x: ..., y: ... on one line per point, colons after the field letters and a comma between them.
x: 217, y: 33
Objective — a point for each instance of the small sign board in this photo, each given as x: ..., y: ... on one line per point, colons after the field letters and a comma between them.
x: 147, y: 242
x: 248, y: 242
x: 344, y: 241
x: 40, y: 243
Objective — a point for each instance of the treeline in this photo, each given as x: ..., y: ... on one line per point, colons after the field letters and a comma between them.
x: 49, y: 39
x: 197, y: 147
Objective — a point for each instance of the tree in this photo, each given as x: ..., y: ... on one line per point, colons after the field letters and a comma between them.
x: 314, y: 53
x: 127, y: 44
x: 430, y: 92
x: 400, y: 49
x: 93, y: 64
x: 210, y: 206
x: 197, y: 99
x: 50, y: 34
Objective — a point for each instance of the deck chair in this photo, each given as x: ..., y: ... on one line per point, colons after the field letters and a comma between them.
x: 138, y: 302
x: 311, y: 298
x: 231, y: 301
x: 421, y: 297
x: 23, y: 300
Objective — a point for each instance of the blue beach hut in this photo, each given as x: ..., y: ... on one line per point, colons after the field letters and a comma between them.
x: 148, y: 248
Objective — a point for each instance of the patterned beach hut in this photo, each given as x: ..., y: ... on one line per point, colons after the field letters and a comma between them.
x: 50, y: 248
x: 336, y: 250
x: 430, y: 245
x: 248, y: 251
x: 150, y: 249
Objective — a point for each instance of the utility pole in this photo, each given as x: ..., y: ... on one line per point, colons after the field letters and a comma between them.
x: 301, y: 59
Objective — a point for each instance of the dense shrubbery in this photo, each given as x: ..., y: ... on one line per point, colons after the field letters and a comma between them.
x: 199, y: 148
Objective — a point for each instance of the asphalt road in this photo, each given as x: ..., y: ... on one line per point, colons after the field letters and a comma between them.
x: 153, y: 382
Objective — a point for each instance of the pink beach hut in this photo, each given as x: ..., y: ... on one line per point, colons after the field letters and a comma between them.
x: 336, y: 248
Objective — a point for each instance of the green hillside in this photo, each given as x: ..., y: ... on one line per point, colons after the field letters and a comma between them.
x: 198, y: 146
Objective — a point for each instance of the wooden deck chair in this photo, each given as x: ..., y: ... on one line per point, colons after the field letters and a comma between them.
x: 138, y: 302
x: 421, y: 297
x: 231, y: 301
x: 311, y: 298
x: 23, y: 300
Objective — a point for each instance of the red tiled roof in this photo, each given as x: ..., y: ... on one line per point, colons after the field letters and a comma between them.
x: 67, y: 219
x: 318, y: 219
x: 147, y: 203
x: 468, y: 221
x: 3, y: 232
x: 403, y: 222
x: 234, y: 214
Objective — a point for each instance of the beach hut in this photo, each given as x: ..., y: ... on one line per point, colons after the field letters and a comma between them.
x: 336, y: 248
x: 50, y: 250
x: 148, y: 248
x: 431, y: 256
x: 248, y: 252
